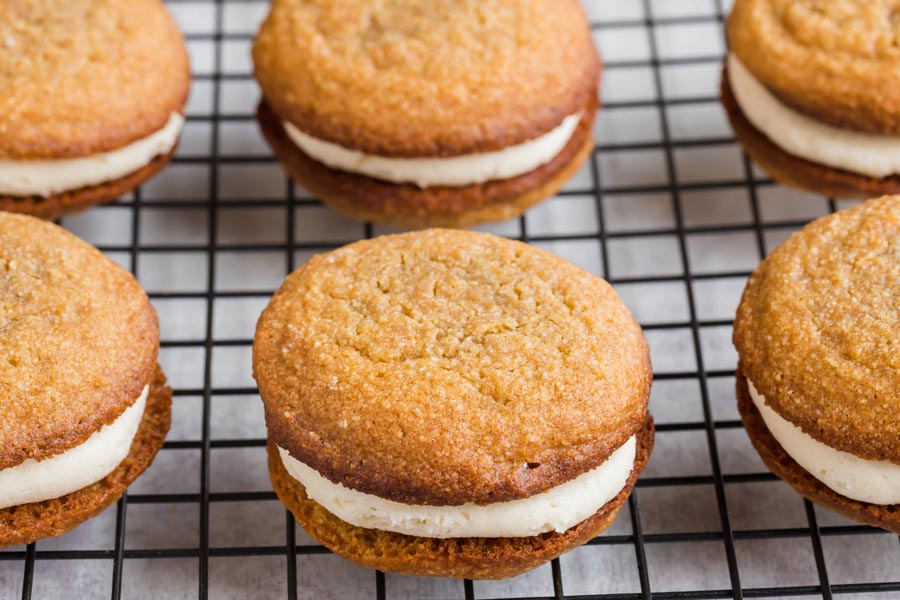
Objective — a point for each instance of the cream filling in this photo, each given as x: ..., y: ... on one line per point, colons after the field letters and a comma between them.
x: 855, y: 151
x: 87, y: 463
x: 462, y: 170
x: 43, y: 177
x: 557, y: 509
x: 872, y: 481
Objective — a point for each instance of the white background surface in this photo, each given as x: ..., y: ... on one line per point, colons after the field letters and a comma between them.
x: 165, y: 236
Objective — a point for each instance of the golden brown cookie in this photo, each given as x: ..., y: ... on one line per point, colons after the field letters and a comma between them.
x: 835, y: 60
x: 404, y: 79
x: 781, y: 463
x: 471, y: 558
x: 817, y: 326
x: 80, y: 78
x: 434, y: 78
x: 406, y: 205
x: 512, y: 334
x: 86, y: 76
x: 794, y: 171
x: 26, y: 523
x: 80, y: 340
x: 447, y: 367
x: 816, y: 332
x: 80, y: 344
x: 824, y: 70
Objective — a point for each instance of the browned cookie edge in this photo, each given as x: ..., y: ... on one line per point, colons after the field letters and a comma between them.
x: 780, y: 462
x: 406, y: 205
x: 473, y: 558
x: 26, y: 523
x: 74, y: 201
x: 797, y: 172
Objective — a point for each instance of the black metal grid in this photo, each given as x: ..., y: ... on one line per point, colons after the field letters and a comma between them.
x: 724, y: 541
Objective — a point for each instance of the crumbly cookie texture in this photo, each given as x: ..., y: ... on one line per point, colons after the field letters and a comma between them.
x: 67, y: 203
x: 406, y: 205
x: 818, y: 326
x: 26, y: 523
x: 433, y: 78
x: 473, y: 558
x: 80, y: 340
x: 835, y: 60
x: 797, y: 172
x: 780, y: 463
x: 444, y: 367
x: 81, y: 77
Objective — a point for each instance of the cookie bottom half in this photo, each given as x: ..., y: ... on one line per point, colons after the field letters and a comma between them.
x: 781, y: 464
x: 472, y: 558
x: 406, y: 205
x: 74, y: 201
x: 797, y: 172
x: 25, y: 523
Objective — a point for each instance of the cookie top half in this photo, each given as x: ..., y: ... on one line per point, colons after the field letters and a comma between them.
x: 426, y: 78
x: 818, y: 329
x: 80, y: 340
x: 444, y: 367
x: 835, y: 60
x: 79, y: 77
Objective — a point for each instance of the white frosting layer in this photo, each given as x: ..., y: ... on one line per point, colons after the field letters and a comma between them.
x: 802, y: 136
x: 557, y: 509
x: 462, y: 170
x: 97, y: 457
x: 43, y: 177
x: 873, y: 481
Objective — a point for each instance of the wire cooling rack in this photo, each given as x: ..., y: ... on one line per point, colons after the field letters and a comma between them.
x: 669, y: 210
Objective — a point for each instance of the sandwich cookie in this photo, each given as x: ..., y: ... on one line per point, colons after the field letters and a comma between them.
x: 818, y: 384
x: 85, y: 406
x: 430, y: 113
x: 812, y: 90
x: 92, y: 102
x: 451, y: 403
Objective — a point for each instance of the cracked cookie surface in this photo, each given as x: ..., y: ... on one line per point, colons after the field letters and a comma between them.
x: 444, y: 367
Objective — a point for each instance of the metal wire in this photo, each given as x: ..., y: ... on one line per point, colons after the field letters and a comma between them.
x: 711, y: 428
